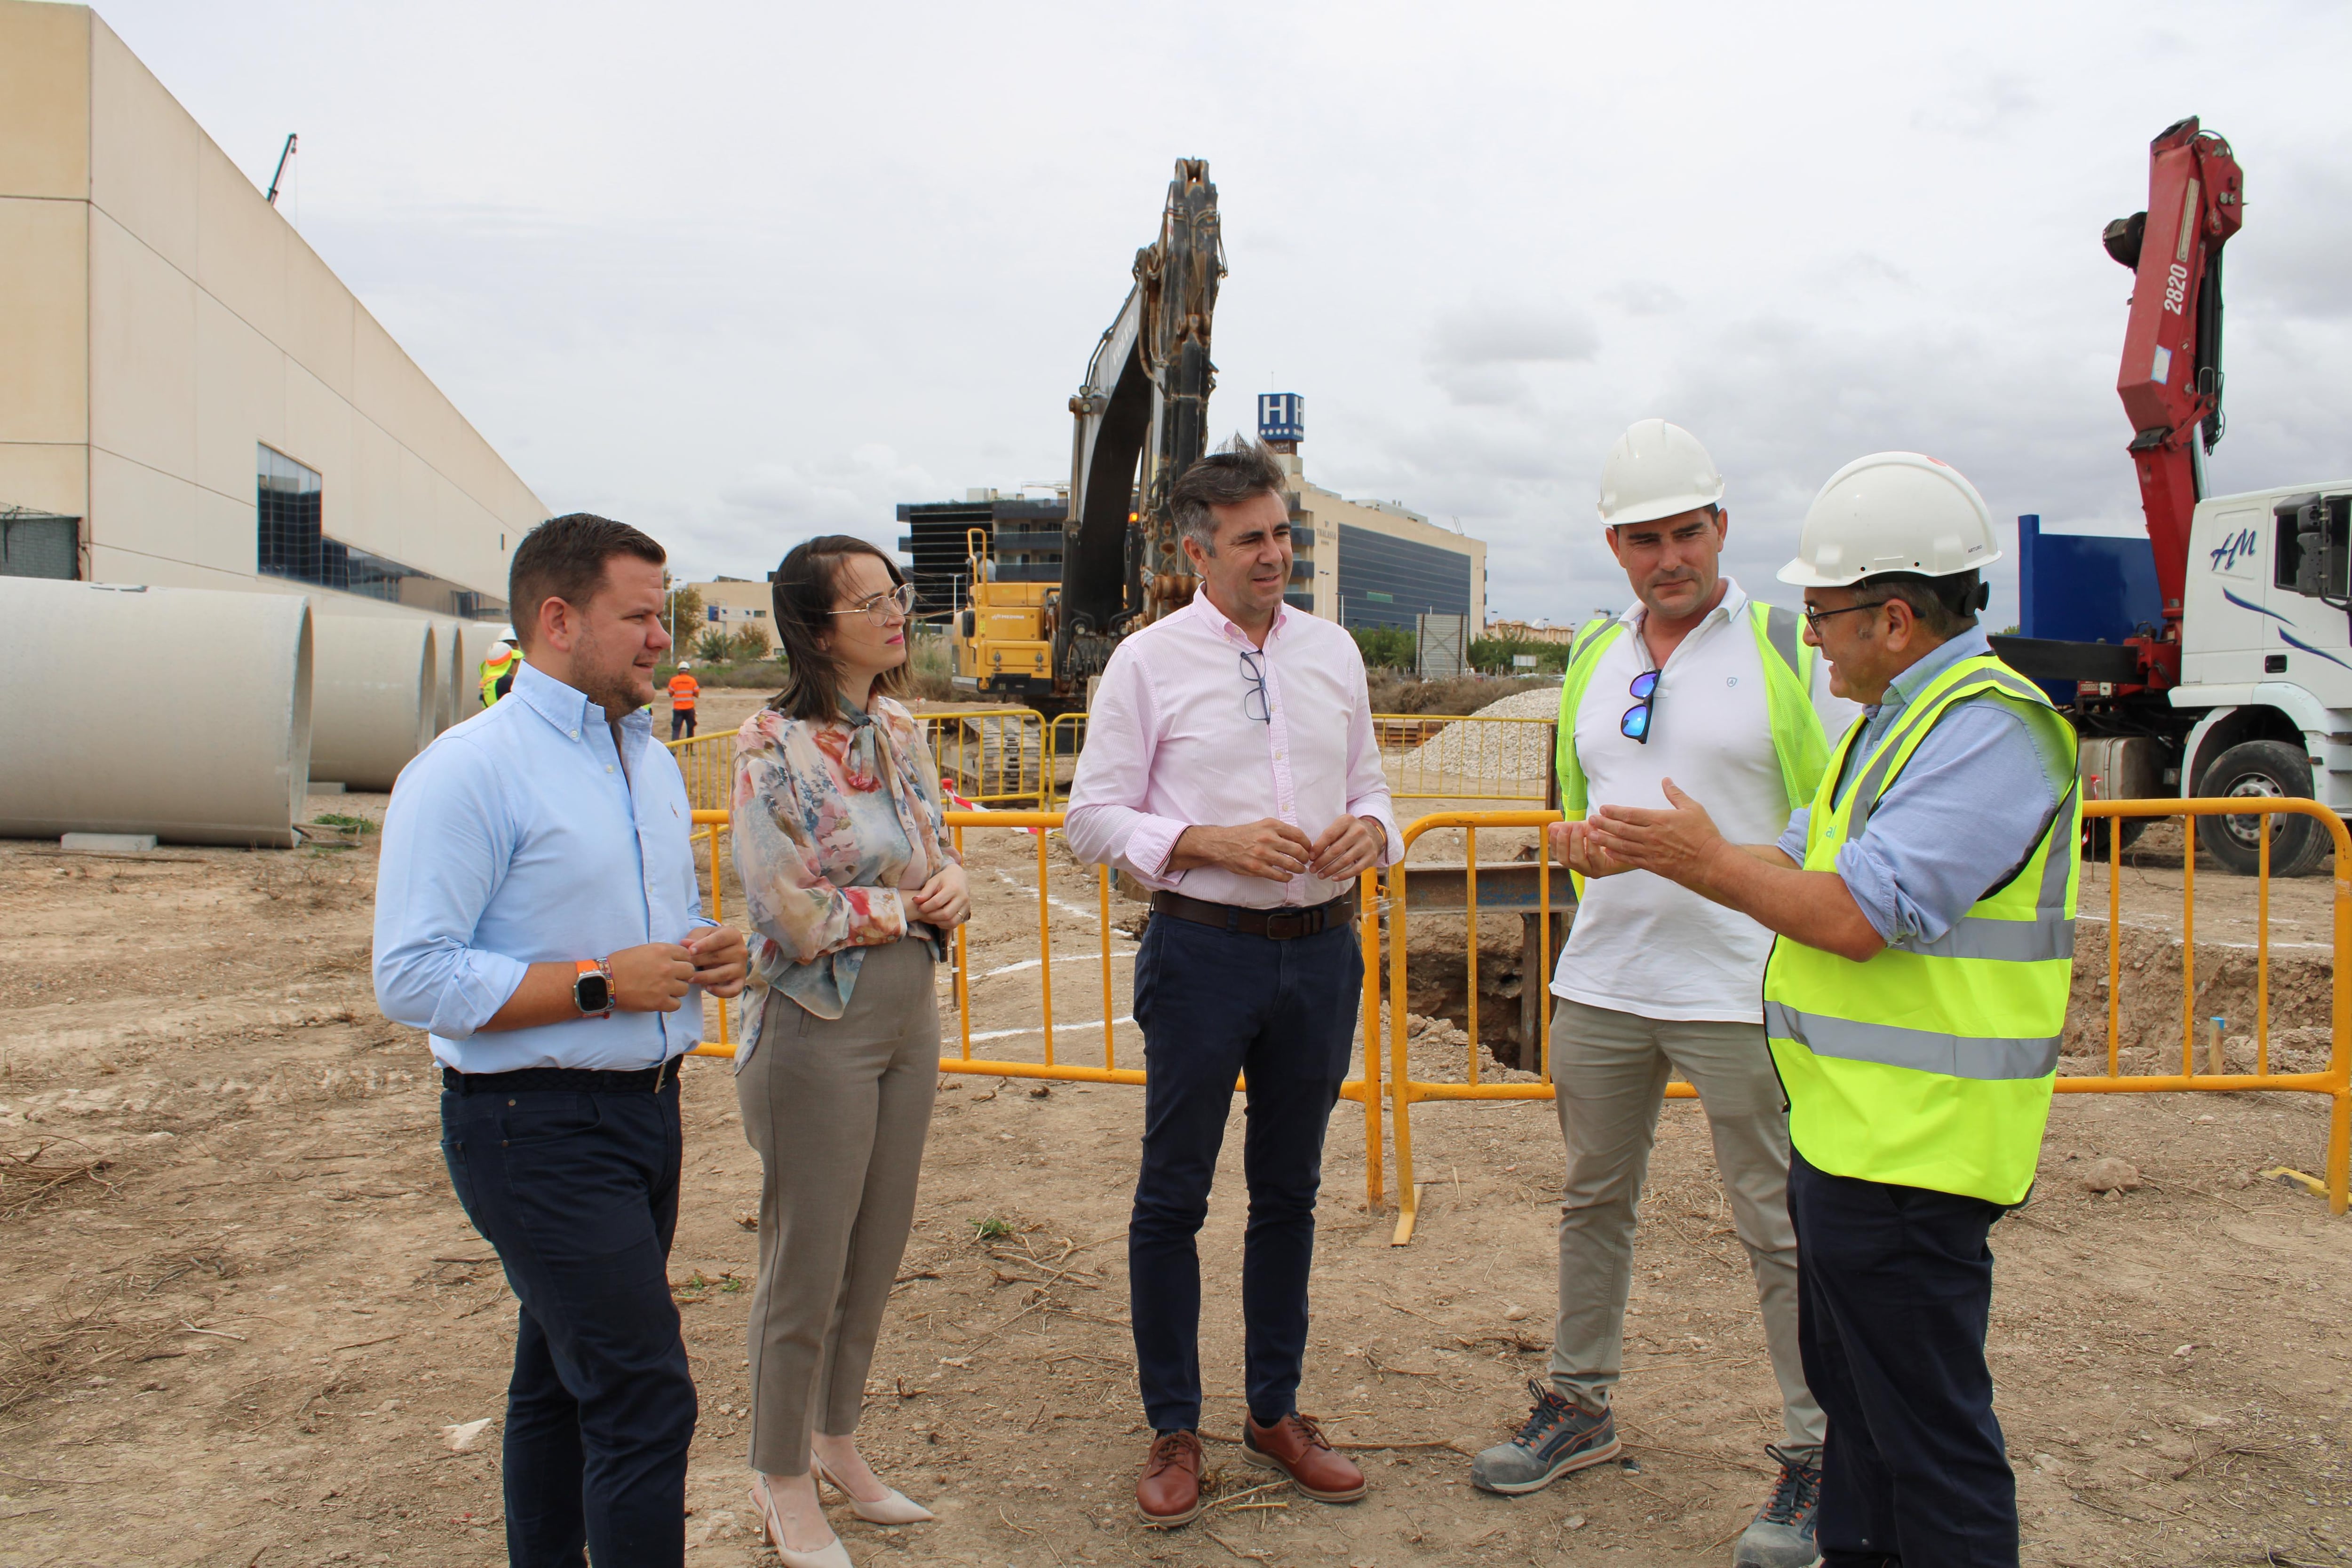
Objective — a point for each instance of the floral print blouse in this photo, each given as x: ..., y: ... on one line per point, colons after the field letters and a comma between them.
x: 836, y: 823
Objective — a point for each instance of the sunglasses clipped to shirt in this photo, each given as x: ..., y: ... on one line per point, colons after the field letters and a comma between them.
x: 1635, y: 724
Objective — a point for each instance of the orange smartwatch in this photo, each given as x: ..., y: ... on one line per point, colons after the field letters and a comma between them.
x: 592, y: 989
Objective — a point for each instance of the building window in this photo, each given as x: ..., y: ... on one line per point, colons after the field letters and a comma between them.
x: 39, y: 544
x: 292, y: 543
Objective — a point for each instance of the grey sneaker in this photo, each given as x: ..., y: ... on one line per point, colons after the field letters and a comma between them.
x: 1782, y: 1533
x: 1556, y: 1438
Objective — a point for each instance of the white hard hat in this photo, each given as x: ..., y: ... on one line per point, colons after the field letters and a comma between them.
x: 1656, y: 470
x: 498, y: 651
x: 686, y: 663
x: 506, y: 634
x: 1893, y: 511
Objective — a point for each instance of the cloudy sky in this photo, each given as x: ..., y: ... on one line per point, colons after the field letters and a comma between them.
x: 740, y: 273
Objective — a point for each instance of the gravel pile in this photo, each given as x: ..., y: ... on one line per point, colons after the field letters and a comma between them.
x: 1492, y: 750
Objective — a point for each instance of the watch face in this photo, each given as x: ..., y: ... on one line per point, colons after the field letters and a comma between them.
x: 593, y: 992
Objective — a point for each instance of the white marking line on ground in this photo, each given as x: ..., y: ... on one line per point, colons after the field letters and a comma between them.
x: 979, y: 1035
x: 1094, y: 957
x: 1081, y: 913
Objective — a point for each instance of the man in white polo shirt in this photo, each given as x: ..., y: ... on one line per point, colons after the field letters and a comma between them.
x: 1701, y: 683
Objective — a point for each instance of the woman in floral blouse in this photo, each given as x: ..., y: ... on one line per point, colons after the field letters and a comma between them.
x: 850, y: 881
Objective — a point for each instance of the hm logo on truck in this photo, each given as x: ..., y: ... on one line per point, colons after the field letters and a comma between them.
x: 2239, y: 546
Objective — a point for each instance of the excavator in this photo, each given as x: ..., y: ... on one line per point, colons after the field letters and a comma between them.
x: 1140, y: 419
x: 2227, y: 669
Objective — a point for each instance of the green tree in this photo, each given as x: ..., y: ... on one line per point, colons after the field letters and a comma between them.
x: 1495, y: 654
x: 682, y: 611
x: 714, y: 647
x: 1385, y: 647
x: 747, y: 646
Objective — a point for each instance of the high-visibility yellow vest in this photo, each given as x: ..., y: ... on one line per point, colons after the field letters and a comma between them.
x: 493, y: 671
x: 1932, y: 1066
x: 1797, y: 737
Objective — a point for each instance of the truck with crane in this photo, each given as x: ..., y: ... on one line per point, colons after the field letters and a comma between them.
x: 1140, y: 418
x: 2227, y: 670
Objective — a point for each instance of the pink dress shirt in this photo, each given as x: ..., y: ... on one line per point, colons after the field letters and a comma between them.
x: 1170, y: 745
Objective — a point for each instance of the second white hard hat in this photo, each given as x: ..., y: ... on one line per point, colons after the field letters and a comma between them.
x: 686, y: 663
x: 1893, y: 511
x: 1656, y: 470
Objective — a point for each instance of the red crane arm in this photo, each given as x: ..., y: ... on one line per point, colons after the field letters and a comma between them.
x: 2171, y: 377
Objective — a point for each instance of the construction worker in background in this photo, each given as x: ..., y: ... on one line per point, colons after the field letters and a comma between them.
x: 1925, y: 908
x: 1656, y: 981
x: 683, y: 689
x: 498, y: 672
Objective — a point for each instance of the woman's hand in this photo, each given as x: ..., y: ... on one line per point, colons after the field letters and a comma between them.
x: 945, y: 901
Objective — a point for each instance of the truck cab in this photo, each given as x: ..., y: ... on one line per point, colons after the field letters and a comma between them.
x: 2266, y: 638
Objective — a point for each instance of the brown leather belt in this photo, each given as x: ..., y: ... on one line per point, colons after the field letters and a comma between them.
x: 1279, y: 925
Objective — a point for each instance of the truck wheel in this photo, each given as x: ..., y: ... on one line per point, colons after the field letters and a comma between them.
x: 2271, y: 769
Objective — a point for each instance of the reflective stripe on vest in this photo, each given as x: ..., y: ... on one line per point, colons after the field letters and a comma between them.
x: 1931, y: 1064
x: 1798, y: 741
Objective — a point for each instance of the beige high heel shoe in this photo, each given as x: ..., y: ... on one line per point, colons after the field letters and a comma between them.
x: 894, y: 1507
x: 832, y: 1554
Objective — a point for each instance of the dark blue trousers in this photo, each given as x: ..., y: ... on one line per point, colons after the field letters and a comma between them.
x: 579, y: 1194
x: 1895, y: 1289
x: 1213, y: 1004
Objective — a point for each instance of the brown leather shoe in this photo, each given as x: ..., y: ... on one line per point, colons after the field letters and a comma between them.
x: 1168, y: 1492
x: 1295, y: 1446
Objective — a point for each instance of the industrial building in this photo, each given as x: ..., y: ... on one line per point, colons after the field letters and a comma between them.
x: 1359, y: 563
x: 192, y: 398
x: 731, y: 603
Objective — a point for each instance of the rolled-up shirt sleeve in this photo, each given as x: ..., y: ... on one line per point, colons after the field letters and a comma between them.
x: 447, y: 837
x: 1368, y: 786
x: 1105, y: 822
x: 1791, y: 841
x: 1962, y: 817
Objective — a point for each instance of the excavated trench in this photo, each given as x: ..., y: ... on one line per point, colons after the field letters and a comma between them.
x: 2148, y: 1022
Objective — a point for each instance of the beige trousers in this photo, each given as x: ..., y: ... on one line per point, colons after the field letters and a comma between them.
x: 1611, y: 1068
x: 838, y: 1109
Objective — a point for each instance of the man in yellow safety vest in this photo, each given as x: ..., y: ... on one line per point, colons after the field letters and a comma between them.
x: 1694, y: 680
x: 1915, y: 999
x: 497, y: 672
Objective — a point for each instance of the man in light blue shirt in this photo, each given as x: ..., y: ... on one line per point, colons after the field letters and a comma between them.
x: 536, y: 913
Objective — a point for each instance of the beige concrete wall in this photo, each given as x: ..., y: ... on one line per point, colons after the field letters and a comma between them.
x: 1326, y: 510
x: 161, y: 320
x: 45, y: 257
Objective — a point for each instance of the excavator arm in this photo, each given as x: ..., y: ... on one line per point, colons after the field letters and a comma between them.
x: 2171, y: 377
x: 1140, y: 420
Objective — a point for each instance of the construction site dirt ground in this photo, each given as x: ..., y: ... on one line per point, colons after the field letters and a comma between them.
x: 239, y: 1308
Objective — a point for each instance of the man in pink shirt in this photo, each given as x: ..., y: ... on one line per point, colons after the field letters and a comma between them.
x: 1230, y: 767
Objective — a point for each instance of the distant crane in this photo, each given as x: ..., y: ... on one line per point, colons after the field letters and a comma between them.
x: 280, y: 175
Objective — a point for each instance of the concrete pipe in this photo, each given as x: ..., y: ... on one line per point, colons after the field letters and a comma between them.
x: 373, y: 701
x: 458, y: 698
x: 180, y: 712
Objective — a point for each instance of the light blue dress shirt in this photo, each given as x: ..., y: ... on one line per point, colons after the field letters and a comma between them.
x: 1964, y: 812
x: 520, y: 837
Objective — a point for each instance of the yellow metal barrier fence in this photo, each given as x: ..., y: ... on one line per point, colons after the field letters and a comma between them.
x: 1427, y: 757
x: 2336, y: 1081
x: 708, y: 761
x: 1365, y: 1090
x: 989, y: 755
x: 1472, y: 757
x: 1065, y: 737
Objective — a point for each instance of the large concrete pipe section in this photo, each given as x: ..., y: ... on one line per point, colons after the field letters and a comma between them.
x: 180, y: 712
x: 373, y: 698
x: 450, y: 685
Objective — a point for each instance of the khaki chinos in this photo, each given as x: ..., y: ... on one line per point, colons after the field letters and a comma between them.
x: 838, y: 1109
x: 1610, y: 1069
